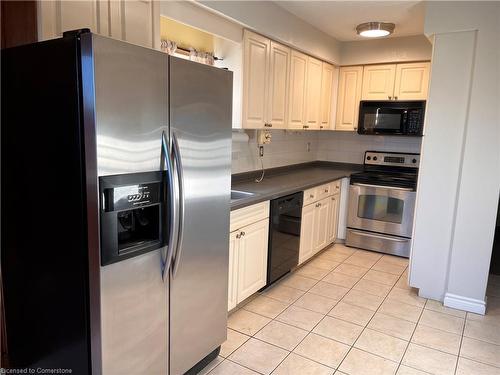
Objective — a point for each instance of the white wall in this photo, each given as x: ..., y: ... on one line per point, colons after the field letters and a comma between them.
x: 460, y: 165
x: 268, y: 19
x: 376, y: 51
x: 349, y: 147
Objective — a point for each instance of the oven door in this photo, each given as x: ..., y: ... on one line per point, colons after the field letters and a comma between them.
x: 382, y: 209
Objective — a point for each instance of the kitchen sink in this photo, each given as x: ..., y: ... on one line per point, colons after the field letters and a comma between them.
x: 237, y: 195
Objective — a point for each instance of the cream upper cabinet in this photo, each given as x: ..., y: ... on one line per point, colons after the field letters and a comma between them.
x: 412, y: 81
x: 349, y: 95
x: 307, y: 226
x: 252, y: 259
x: 333, y: 219
x: 313, y: 92
x: 378, y: 82
x: 297, y: 92
x: 135, y: 21
x: 326, y: 95
x: 278, y: 86
x: 255, y: 79
x: 232, y: 292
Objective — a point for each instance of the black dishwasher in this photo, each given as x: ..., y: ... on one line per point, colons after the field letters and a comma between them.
x: 284, y: 236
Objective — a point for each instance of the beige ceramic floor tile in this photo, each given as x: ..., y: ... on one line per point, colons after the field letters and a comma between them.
x: 381, y: 277
x: 372, y: 287
x: 407, y: 296
x: 429, y: 360
x: 351, y: 270
x: 334, y: 292
x: 362, y: 299
x: 438, y: 307
x: 392, y: 326
x: 391, y: 259
x: 283, y: 293
x: 315, y: 302
x: 341, y: 279
x: 400, y: 310
x: 282, y: 335
x: 324, y: 263
x: 437, y: 339
x: 480, y: 351
x: 217, y: 361
x: 369, y: 254
x: 333, y: 256
x: 339, y: 330
x: 234, y: 341
x: 343, y: 249
x: 297, y: 365
x: 492, y: 312
x: 482, y: 331
x: 351, y: 313
x: 246, y: 322
x: 359, y: 362
x: 384, y: 266
x: 360, y: 260
x: 231, y: 368
x: 266, y: 306
x: 312, y: 272
x: 299, y: 317
x: 443, y: 322
x: 405, y: 370
x: 468, y: 367
x: 402, y: 282
x: 298, y: 282
x: 322, y: 350
x: 382, y: 345
x: 258, y: 356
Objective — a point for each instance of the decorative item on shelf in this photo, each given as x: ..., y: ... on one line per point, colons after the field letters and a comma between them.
x: 168, y: 46
x: 171, y: 47
x: 201, y: 57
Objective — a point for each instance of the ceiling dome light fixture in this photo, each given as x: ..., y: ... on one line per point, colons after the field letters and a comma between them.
x: 375, y: 29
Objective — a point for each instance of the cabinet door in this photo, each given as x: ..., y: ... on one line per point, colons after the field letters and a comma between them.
x: 297, y: 94
x: 255, y: 79
x: 333, y: 220
x: 232, y: 285
x: 278, y: 86
x: 412, y: 81
x: 378, y: 82
x: 56, y: 17
x: 307, y: 233
x: 313, y: 93
x: 321, y: 224
x: 252, y: 259
x: 350, y: 81
x: 326, y: 95
x: 135, y: 21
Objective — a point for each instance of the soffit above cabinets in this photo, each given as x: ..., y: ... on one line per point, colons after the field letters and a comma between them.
x: 340, y: 18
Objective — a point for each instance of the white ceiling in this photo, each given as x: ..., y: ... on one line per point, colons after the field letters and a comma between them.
x: 340, y: 18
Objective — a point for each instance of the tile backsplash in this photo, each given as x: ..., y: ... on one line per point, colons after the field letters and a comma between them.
x: 292, y: 147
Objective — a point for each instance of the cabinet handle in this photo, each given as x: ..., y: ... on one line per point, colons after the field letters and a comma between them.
x: 238, y: 236
x: 395, y: 98
x: 311, y: 195
x: 326, y: 190
x: 355, y: 128
x: 390, y: 97
x: 242, y: 233
x: 267, y: 125
x: 321, y: 126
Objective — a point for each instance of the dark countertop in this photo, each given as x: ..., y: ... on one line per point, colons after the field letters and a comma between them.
x: 288, y: 180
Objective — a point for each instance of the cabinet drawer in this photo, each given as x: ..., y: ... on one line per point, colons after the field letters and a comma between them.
x: 248, y: 215
x: 324, y: 191
x: 310, y: 196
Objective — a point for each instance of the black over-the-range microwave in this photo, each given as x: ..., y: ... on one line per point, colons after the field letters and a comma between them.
x: 391, y: 117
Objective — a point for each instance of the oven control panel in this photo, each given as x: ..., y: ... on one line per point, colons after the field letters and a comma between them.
x: 393, y: 159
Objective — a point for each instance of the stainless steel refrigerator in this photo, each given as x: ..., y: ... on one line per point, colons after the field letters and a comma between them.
x: 115, y: 207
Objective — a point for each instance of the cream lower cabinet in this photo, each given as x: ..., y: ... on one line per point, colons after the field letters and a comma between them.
x: 134, y: 21
x: 319, y: 219
x: 248, y: 242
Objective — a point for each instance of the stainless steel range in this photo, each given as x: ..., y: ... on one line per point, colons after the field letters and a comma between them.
x: 382, y: 202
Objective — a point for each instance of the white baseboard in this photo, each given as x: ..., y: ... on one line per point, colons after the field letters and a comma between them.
x: 464, y: 303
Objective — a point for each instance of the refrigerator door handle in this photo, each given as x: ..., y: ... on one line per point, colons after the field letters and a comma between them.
x: 178, y: 168
x: 167, y: 254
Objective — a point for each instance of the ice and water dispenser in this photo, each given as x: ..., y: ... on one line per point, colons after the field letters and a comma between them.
x: 133, y: 217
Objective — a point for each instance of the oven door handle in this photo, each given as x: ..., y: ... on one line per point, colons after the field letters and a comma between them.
x: 382, y: 186
x: 379, y: 236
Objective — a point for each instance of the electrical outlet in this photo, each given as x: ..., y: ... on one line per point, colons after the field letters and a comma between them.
x: 261, y: 151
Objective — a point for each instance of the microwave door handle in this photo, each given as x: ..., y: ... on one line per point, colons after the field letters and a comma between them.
x: 180, y: 179
x: 167, y: 255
